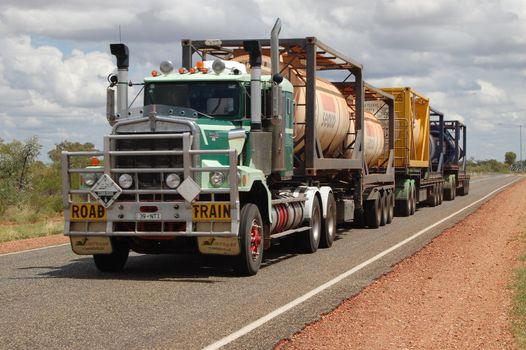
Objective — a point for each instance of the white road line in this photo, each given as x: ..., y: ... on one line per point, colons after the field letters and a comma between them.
x: 32, y: 250
x: 259, y: 322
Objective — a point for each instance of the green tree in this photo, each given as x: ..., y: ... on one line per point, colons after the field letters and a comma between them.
x: 55, y: 153
x: 16, y: 161
x: 510, y: 158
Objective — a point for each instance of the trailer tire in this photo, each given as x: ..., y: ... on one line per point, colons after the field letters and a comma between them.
x: 328, y: 232
x: 251, y: 235
x: 390, y: 211
x: 403, y: 207
x: 464, y: 190
x: 373, y: 212
x: 310, y: 240
x: 440, y: 193
x: 113, y: 262
x: 413, y: 198
x: 385, y: 209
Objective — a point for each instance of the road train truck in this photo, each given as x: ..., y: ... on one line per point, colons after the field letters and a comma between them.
x: 246, y: 145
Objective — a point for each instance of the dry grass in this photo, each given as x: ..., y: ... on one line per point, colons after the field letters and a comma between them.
x: 519, y: 302
x: 24, y: 222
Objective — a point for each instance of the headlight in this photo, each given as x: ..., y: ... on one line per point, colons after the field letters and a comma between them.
x: 217, y: 178
x: 166, y: 67
x: 125, y: 180
x: 89, y: 179
x: 172, y: 180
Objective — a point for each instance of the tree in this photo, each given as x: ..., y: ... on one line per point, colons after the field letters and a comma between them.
x: 510, y: 158
x: 66, y: 145
x: 16, y: 161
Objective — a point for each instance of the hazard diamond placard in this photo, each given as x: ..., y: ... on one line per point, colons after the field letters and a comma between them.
x: 106, y: 191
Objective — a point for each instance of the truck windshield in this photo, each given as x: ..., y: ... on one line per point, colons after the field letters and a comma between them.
x: 211, y: 98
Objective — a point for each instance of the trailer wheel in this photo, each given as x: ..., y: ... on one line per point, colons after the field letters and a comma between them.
x: 115, y: 261
x: 310, y: 240
x: 450, y: 190
x: 251, y: 236
x: 432, y: 200
x: 464, y: 190
x: 391, y: 204
x: 328, y: 232
x: 385, y: 208
x: 413, y: 198
x: 373, y: 212
x: 440, y: 193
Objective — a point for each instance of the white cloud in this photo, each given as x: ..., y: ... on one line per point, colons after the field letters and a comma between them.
x: 467, y: 57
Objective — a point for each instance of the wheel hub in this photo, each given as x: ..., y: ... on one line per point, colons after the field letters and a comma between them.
x: 255, y: 239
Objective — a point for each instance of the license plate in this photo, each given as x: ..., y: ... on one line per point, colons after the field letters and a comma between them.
x: 87, y: 212
x: 148, y: 216
x: 211, y: 211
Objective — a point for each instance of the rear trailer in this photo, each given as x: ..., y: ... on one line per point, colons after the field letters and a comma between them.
x: 450, y: 137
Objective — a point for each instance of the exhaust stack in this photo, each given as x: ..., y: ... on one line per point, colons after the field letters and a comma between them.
x: 253, y: 47
x: 120, y: 51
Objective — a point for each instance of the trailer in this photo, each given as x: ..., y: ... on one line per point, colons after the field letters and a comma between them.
x: 449, y: 141
x: 243, y: 147
x: 417, y: 181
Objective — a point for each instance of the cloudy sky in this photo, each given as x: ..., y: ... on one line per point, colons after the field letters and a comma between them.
x: 468, y: 56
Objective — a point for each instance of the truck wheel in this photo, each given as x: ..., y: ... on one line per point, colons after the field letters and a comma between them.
x: 464, y: 190
x: 413, y: 198
x: 310, y: 240
x: 385, y: 209
x: 440, y: 192
x: 391, y: 204
x: 454, y: 189
x: 449, y: 191
x: 373, y: 212
x: 113, y: 262
x: 403, y: 207
x: 328, y: 231
x: 250, y: 241
x: 432, y: 193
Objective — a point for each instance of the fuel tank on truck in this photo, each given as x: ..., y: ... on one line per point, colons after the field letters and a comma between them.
x: 334, y: 119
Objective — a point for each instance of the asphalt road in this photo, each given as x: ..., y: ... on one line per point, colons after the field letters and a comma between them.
x: 52, y: 298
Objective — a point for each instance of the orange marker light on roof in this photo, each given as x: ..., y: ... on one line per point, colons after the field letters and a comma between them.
x: 182, y: 70
x: 200, y: 65
x: 204, y: 70
x: 155, y: 73
x: 192, y: 70
x: 94, y: 161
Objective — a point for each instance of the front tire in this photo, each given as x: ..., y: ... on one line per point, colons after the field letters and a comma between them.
x: 113, y: 262
x: 250, y: 241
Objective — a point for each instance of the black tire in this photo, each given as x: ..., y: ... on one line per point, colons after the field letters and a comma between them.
x: 385, y: 209
x: 432, y: 196
x: 403, y: 207
x: 251, y: 236
x: 413, y: 198
x: 440, y: 193
x: 310, y: 240
x: 449, y: 193
x: 464, y: 190
x: 373, y: 212
x: 454, y: 189
x: 390, y: 211
x: 328, y: 228
x: 113, y: 262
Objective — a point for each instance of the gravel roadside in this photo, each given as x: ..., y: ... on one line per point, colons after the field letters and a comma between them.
x: 453, y: 294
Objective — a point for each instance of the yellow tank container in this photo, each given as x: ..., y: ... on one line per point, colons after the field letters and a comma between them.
x: 411, y: 128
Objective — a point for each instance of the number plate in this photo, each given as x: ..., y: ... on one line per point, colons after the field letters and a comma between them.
x: 211, y: 211
x: 148, y: 216
x: 87, y: 212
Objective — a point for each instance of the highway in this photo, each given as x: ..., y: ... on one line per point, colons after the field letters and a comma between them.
x: 52, y: 298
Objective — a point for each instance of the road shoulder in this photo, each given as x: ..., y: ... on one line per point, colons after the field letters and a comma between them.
x: 453, y: 294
